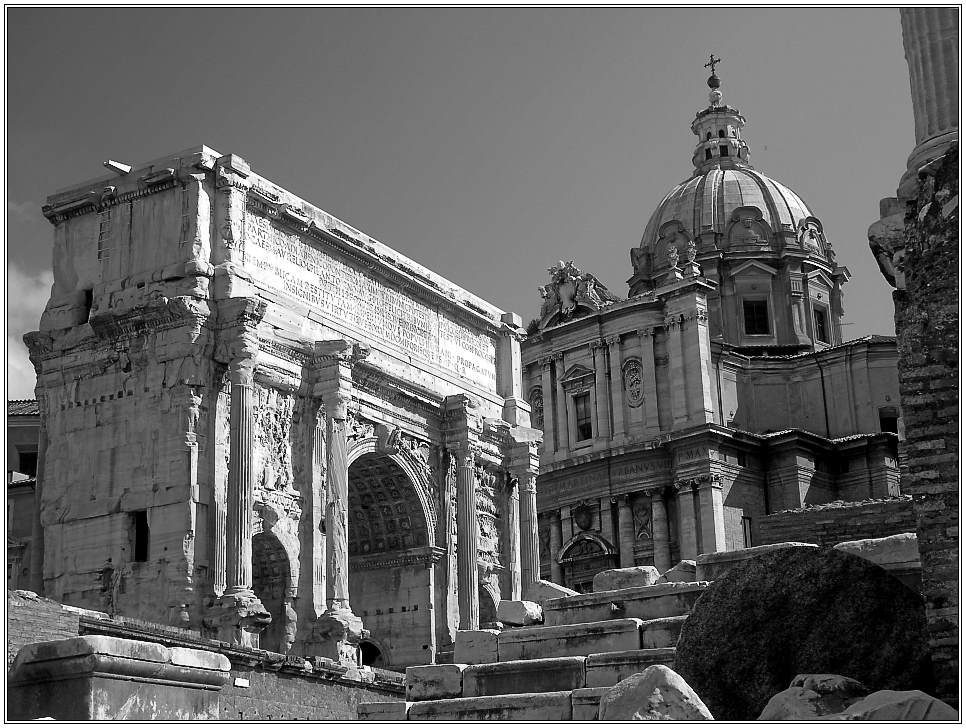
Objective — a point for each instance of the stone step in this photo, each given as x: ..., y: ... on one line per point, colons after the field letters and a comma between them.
x: 644, y: 602
x: 389, y: 710
x: 520, y: 706
x: 569, y: 640
x: 609, y: 668
x: 586, y: 702
x: 663, y: 632
x: 549, y: 675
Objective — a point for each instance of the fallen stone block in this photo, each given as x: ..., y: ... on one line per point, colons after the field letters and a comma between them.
x: 476, y: 646
x: 541, y: 590
x: 684, y: 570
x: 624, y: 578
x: 390, y: 710
x: 434, y: 682
x: 899, y: 705
x: 536, y: 676
x: 658, y: 693
x: 586, y: 702
x: 518, y: 613
x: 709, y: 567
x: 537, y: 707
x: 609, y: 668
x: 530, y: 643
x: 812, y: 696
x: 641, y: 602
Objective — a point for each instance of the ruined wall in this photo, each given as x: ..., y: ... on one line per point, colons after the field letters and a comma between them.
x: 927, y: 326
x: 832, y: 523
x: 34, y: 619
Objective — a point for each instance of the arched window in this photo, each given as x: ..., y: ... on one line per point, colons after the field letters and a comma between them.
x: 708, y: 138
x: 721, y: 134
x: 707, y: 154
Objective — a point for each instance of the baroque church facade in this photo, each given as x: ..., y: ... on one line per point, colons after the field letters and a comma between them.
x: 718, y: 390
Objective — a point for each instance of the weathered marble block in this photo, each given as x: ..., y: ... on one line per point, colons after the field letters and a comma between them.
x: 586, y: 702
x: 390, y: 710
x: 434, y: 682
x: 898, y: 554
x: 663, y: 632
x: 643, y: 602
x: 518, y: 613
x: 713, y: 566
x: 625, y: 578
x: 476, y: 646
x: 554, y: 706
x: 610, y: 668
x: 684, y: 570
x: 108, y: 678
x: 531, y: 643
x: 534, y: 676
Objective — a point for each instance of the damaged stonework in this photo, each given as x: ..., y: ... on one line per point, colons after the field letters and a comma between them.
x: 262, y: 424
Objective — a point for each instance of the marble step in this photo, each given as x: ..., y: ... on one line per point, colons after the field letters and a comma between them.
x: 549, y: 675
x: 569, y: 640
x: 642, y: 602
x: 585, y: 703
x: 609, y: 668
x: 552, y: 706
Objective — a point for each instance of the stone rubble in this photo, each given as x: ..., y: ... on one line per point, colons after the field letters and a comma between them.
x: 657, y: 693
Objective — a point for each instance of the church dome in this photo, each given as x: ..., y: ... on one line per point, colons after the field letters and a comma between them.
x: 726, y: 207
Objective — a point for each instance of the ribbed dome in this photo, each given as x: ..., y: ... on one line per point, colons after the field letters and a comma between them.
x: 706, y: 202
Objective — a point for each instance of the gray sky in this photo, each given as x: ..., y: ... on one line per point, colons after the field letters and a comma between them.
x: 484, y: 143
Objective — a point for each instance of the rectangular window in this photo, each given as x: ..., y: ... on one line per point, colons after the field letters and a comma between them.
x: 889, y: 424
x: 724, y: 150
x: 141, y: 535
x: 707, y: 154
x: 742, y: 460
x: 821, y: 325
x: 585, y: 429
x: 746, y: 530
x: 756, y: 317
x: 28, y: 464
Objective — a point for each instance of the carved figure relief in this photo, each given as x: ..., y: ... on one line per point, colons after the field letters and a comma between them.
x: 488, y: 515
x: 634, y: 382
x: 583, y: 516
x: 536, y: 407
x: 641, y: 509
x: 274, y: 413
x: 569, y: 289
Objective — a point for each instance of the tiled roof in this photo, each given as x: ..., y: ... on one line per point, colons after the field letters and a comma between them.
x: 22, y: 407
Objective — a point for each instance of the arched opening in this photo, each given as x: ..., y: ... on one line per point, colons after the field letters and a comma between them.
x: 271, y: 582
x: 390, y: 564
x: 581, y: 560
x: 371, y: 654
x: 488, y: 604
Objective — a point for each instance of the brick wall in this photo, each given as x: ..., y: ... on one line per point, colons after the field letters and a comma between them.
x: 832, y: 523
x: 927, y: 331
x: 31, y: 618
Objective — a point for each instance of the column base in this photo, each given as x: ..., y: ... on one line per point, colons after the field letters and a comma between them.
x: 336, y: 635
x: 238, y: 616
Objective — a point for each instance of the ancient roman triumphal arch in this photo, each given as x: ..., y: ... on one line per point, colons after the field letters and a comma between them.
x: 261, y: 423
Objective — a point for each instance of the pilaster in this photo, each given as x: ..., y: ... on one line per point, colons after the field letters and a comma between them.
x: 616, y: 389
x: 556, y: 543
x: 687, y: 524
x: 601, y: 397
x: 550, y: 431
x: 625, y: 531
x: 561, y: 406
x: 660, y: 531
x: 652, y: 425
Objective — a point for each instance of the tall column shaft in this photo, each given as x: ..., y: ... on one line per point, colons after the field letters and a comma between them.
x: 336, y: 508
x: 241, y: 488
x: 679, y: 406
x: 556, y: 542
x: 660, y: 531
x: 546, y: 389
x: 625, y: 529
x: 652, y: 424
x: 687, y: 526
x: 600, y: 391
x: 561, y: 405
x: 529, y: 538
x: 696, y: 354
x: 467, y: 540
x: 712, y: 518
x: 513, y: 537
x: 616, y: 387
x: 36, y: 526
x: 930, y: 37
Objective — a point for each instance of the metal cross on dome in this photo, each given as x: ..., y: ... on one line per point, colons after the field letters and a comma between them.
x: 712, y: 63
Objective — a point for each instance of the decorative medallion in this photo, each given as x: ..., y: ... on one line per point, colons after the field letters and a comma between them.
x: 536, y: 407
x: 583, y: 516
x: 634, y: 382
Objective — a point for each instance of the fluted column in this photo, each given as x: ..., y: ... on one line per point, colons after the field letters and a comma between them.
x: 529, y: 537
x: 616, y: 387
x: 241, y: 481
x: 687, y: 525
x: 679, y: 406
x: 652, y: 424
x: 513, y: 536
x: 312, y: 562
x: 600, y: 391
x: 338, y: 630
x: 467, y: 539
x: 625, y: 531
x: 546, y: 389
x: 563, y: 433
x: 556, y: 542
x: 660, y: 531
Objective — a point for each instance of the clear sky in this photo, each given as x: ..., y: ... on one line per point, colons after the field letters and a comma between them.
x: 486, y: 144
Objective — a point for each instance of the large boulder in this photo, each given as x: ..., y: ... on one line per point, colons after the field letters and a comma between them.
x: 800, y: 611
x: 658, y: 693
x: 624, y: 578
x: 899, y: 705
x: 519, y: 613
x: 811, y: 696
x: 684, y: 570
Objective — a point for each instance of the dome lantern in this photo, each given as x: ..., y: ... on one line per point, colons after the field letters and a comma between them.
x: 718, y: 129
